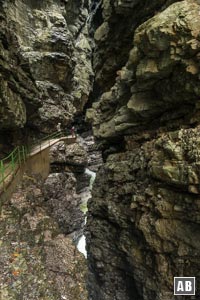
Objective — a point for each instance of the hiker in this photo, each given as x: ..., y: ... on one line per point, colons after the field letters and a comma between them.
x: 58, y: 127
x: 73, y: 133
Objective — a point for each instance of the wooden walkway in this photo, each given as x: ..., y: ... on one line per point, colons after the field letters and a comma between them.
x: 34, y: 151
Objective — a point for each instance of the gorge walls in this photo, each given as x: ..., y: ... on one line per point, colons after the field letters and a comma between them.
x: 143, y: 224
x: 46, y: 76
x: 138, y: 77
x: 46, y: 72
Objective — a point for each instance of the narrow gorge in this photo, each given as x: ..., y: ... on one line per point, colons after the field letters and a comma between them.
x: 118, y: 84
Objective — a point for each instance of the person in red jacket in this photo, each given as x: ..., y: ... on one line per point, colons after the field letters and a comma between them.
x: 73, y: 132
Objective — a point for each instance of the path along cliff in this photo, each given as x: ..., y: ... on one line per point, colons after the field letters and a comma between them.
x: 138, y: 79
x: 42, y: 222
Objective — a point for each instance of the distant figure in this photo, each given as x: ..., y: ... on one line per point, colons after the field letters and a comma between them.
x: 73, y: 133
x: 59, y: 127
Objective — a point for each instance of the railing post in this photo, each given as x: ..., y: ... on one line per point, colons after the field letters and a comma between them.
x: 19, y: 156
x: 2, y: 174
x: 12, y: 162
x: 23, y: 153
x: 26, y: 151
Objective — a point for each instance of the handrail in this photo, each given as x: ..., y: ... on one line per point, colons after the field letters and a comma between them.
x: 12, y: 153
x: 10, y: 164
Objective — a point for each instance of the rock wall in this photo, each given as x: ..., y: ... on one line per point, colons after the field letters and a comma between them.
x: 143, y: 223
x: 63, y: 186
x: 114, y: 36
x: 37, y: 260
x: 143, y: 220
x: 46, y: 72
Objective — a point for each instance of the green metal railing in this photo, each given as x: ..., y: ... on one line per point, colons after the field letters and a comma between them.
x: 10, y: 164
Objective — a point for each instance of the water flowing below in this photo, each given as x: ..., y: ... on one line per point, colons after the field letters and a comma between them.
x: 85, y: 196
x: 82, y: 246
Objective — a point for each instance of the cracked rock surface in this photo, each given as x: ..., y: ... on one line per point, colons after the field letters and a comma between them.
x: 46, y: 72
x: 37, y: 260
x: 143, y: 223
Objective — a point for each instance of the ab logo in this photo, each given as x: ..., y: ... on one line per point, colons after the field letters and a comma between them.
x: 184, y: 286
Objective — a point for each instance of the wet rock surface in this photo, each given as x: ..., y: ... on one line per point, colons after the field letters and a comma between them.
x: 143, y: 221
x: 69, y: 185
x: 69, y: 155
x: 159, y: 83
x: 145, y: 209
x: 46, y: 72
x: 37, y: 260
x: 63, y: 202
x: 75, y: 159
x: 94, y: 155
x: 115, y: 35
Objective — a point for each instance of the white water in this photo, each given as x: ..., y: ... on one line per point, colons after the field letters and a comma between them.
x: 81, y: 246
x: 92, y: 176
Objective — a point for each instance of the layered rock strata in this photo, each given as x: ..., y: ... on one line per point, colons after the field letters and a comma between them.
x: 143, y: 223
x: 114, y: 36
x: 159, y: 83
x: 46, y: 72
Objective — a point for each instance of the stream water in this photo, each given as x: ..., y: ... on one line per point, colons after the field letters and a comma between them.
x: 85, y: 196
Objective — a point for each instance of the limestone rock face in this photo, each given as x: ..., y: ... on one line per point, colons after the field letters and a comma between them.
x: 46, y: 54
x: 17, y: 87
x: 38, y: 261
x: 143, y: 224
x: 63, y: 202
x: 72, y: 155
x: 148, y: 198
x: 159, y: 83
x: 114, y: 36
